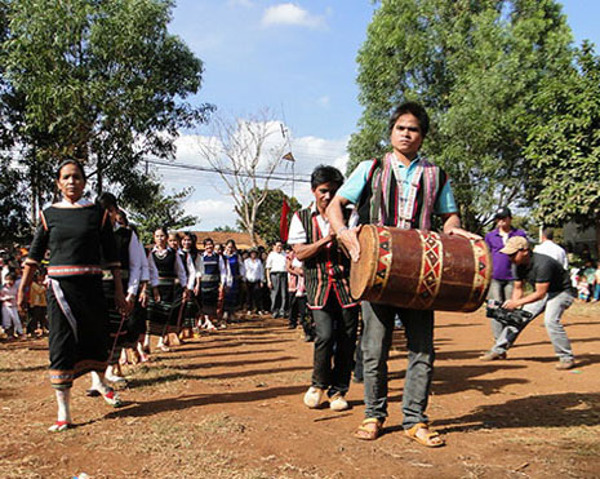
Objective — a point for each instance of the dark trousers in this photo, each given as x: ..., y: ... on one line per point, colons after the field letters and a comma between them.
x: 278, y: 293
x: 255, y: 296
x: 292, y: 308
x: 335, y: 329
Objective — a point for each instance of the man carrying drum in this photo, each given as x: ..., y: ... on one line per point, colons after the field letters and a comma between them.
x: 401, y: 190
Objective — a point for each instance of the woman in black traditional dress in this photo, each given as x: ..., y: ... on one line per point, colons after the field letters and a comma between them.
x: 194, y: 268
x: 124, y: 326
x: 78, y: 234
x: 165, y: 269
x: 235, y: 273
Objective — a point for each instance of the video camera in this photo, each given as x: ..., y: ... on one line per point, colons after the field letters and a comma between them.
x: 516, y: 317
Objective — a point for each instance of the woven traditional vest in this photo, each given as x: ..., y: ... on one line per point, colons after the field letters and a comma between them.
x: 212, y: 274
x: 327, y: 272
x: 166, y: 265
x: 380, y: 194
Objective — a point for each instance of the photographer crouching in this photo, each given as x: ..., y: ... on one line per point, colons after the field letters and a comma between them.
x: 552, y: 293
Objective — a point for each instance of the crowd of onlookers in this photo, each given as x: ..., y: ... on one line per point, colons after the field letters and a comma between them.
x: 13, y: 326
x: 587, y: 281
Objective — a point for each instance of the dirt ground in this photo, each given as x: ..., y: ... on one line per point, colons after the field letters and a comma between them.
x: 229, y: 405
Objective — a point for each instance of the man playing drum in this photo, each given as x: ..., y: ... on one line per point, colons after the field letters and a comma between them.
x: 401, y: 190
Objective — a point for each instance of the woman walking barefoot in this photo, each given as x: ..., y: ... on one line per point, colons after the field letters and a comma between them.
x: 77, y: 233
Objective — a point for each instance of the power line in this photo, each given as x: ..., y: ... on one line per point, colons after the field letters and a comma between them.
x: 226, y: 171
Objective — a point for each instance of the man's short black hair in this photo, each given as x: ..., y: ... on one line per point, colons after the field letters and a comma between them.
x: 548, y: 233
x: 326, y: 174
x: 415, y: 109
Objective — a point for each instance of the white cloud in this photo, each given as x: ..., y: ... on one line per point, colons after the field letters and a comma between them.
x: 212, y: 212
x: 324, y: 101
x: 210, y: 201
x: 291, y: 14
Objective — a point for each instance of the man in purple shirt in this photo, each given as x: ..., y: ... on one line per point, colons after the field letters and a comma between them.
x: 502, y: 277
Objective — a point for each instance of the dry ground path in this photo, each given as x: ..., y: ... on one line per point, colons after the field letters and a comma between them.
x: 229, y: 405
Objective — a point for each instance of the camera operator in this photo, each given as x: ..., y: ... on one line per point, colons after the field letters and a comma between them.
x: 553, y: 294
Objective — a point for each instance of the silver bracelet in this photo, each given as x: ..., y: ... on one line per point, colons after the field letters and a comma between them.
x: 343, y: 228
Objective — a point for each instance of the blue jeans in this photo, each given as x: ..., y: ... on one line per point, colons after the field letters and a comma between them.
x: 376, y: 342
x: 554, y: 305
x: 500, y: 290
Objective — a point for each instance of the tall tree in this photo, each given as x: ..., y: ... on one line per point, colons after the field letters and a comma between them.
x: 151, y: 207
x: 476, y: 65
x: 564, y: 145
x: 101, y: 81
x: 245, y: 153
x: 269, y: 214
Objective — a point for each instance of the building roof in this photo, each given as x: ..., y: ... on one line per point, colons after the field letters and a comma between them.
x: 242, y: 240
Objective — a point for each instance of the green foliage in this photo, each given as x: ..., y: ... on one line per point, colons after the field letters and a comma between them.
x: 226, y: 229
x: 104, y: 82
x: 564, y: 144
x: 152, y: 208
x: 13, y: 201
x: 269, y: 214
x: 476, y: 66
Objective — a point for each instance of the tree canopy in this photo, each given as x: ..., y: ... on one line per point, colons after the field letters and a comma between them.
x: 104, y: 82
x: 564, y: 144
x: 154, y: 208
x: 476, y: 66
x: 269, y: 214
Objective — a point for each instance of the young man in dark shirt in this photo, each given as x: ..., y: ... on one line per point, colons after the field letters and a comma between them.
x: 553, y: 294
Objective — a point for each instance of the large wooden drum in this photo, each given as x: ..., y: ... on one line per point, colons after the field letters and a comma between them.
x: 420, y: 269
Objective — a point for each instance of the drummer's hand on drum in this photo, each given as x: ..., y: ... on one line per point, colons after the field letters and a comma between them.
x: 348, y: 237
x: 463, y: 233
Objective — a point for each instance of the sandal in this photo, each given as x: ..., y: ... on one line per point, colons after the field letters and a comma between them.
x: 432, y: 439
x: 369, y: 430
x: 112, y: 399
x: 60, y: 426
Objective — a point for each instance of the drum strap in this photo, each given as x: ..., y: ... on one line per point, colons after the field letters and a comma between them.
x: 406, y: 201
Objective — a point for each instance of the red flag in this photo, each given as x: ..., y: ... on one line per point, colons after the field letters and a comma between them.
x: 283, y: 221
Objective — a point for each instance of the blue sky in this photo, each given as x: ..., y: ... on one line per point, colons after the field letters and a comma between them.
x: 297, y: 59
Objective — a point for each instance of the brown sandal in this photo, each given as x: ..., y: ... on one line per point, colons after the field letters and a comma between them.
x: 432, y: 439
x: 367, y: 432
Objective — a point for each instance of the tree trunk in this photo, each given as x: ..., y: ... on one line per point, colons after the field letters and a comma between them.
x: 33, y: 177
x: 99, y: 180
x: 597, y: 238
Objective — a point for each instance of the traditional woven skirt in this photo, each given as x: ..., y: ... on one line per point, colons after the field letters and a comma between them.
x: 210, y: 300
x: 78, y: 323
x: 163, y: 317
x: 232, y: 296
x: 191, y: 311
x: 136, y: 323
x: 119, y: 336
